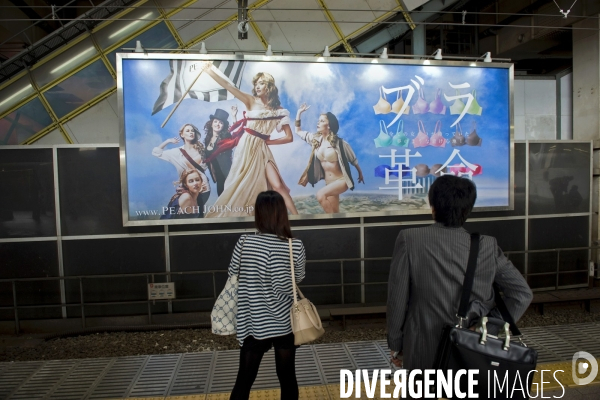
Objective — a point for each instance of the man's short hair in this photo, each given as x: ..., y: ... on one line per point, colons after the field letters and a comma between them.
x: 452, y: 199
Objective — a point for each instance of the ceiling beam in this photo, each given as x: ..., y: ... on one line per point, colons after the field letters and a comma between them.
x: 406, y: 15
x: 258, y: 32
x: 169, y: 24
x: 336, y: 27
x: 377, y: 38
x: 368, y: 26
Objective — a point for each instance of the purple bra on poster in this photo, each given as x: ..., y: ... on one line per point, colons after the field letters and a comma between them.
x: 436, y: 106
x: 421, y: 106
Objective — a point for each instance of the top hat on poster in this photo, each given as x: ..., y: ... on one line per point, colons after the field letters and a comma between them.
x: 221, y: 115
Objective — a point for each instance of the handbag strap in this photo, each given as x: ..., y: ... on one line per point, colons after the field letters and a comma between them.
x: 468, y: 286
x: 469, y: 277
x: 293, y: 274
x: 504, y: 311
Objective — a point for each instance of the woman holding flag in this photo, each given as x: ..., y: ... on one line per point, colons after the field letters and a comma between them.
x: 253, y: 168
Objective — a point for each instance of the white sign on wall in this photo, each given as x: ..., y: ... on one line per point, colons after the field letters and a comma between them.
x: 158, y: 291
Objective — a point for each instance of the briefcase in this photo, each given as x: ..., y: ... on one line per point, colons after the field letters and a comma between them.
x: 505, y: 365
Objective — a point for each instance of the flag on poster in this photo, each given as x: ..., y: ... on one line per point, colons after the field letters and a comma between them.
x: 184, y: 72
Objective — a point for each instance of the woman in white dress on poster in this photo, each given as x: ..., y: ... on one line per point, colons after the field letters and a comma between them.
x: 253, y: 168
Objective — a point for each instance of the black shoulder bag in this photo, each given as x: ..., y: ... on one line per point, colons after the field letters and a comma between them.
x: 496, y: 357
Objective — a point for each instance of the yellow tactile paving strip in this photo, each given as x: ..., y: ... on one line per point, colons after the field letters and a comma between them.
x: 332, y: 392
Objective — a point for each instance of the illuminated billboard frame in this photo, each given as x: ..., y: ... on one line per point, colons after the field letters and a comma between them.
x: 373, y: 134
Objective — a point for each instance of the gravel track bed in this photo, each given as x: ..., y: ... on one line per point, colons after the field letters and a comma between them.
x: 121, y: 344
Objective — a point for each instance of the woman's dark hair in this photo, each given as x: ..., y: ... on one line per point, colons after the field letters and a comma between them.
x: 270, y: 215
x: 452, y: 199
x: 332, y: 136
x: 224, y: 134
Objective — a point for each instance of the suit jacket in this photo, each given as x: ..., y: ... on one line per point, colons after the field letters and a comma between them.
x: 425, y: 286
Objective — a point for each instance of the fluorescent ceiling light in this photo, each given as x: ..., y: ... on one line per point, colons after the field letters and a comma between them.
x: 72, y: 59
x: 14, y: 95
x: 126, y: 27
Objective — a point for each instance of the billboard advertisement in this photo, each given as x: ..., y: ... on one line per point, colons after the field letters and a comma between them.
x: 202, y: 135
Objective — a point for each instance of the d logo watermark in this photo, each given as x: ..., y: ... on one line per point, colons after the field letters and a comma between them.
x: 580, y: 367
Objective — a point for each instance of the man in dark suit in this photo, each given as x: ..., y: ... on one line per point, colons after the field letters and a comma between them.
x: 427, y: 273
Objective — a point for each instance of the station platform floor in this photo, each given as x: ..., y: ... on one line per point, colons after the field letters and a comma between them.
x: 211, y: 375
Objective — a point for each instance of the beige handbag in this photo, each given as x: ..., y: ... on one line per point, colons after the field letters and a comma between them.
x: 306, y: 323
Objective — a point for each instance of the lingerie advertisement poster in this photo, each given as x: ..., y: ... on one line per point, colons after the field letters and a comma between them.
x: 203, y: 135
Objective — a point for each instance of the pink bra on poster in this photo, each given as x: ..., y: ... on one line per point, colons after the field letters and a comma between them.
x: 437, y: 140
x: 422, y: 140
x: 421, y: 106
x: 436, y: 106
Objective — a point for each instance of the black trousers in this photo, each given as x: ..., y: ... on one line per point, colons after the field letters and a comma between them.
x: 251, y: 355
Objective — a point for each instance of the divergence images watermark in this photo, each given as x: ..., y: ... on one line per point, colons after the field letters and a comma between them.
x: 433, y: 384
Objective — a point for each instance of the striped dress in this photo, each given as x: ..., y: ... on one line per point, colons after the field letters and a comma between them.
x: 265, y: 284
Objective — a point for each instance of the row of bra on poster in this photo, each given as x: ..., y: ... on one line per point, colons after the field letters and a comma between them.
x: 422, y: 139
x: 421, y: 106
